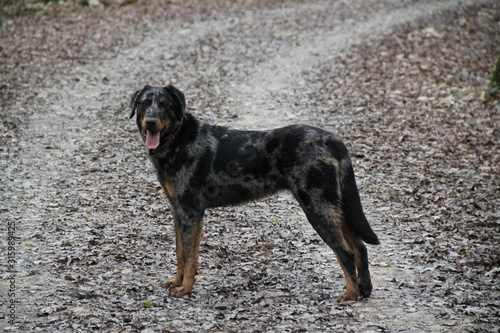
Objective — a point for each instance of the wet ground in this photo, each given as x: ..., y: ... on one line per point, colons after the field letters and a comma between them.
x: 87, y: 237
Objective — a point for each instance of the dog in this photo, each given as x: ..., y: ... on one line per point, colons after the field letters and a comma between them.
x: 201, y: 166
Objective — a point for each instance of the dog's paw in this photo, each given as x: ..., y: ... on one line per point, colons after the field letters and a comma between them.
x: 172, y: 284
x: 365, y: 288
x: 180, y: 291
x: 348, y: 298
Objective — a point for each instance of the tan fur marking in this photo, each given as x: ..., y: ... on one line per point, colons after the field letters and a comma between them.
x: 167, y: 124
x: 177, y: 281
x: 352, y: 293
x: 169, y: 188
x: 360, y: 261
x: 337, y: 221
x: 190, y: 265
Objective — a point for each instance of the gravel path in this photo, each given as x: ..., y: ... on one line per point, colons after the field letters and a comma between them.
x: 87, y: 237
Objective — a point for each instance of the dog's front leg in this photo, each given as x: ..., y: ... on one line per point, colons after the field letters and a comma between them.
x: 179, y: 276
x: 188, y: 228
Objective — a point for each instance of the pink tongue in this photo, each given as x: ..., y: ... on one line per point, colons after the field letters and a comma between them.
x: 152, y: 139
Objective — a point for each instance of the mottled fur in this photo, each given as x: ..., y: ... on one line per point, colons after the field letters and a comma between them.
x: 201, y: 166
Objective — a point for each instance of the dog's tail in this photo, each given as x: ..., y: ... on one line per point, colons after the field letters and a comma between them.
x: 351, y: 206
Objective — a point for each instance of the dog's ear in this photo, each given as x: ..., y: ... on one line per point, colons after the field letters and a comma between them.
x: 135, y: 98
x: 179, y: 95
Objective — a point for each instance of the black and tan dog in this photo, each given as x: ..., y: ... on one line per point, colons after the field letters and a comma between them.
x: 201, y: 166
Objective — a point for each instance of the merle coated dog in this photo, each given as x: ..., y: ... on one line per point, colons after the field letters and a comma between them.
x: 201, y: 166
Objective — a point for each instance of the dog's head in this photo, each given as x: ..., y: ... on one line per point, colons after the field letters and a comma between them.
x: 160, y: 111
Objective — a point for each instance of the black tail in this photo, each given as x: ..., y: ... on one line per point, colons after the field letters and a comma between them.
x: 352, y: 209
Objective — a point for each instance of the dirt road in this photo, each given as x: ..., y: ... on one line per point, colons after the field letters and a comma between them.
x: 87, y: 237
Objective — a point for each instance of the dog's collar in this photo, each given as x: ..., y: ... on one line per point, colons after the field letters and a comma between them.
x: 170, y: 139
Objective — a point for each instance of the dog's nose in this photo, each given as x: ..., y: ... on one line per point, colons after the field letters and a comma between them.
x: 150, y: 121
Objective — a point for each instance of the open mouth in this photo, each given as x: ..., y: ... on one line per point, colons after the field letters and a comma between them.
x: 152, y: 139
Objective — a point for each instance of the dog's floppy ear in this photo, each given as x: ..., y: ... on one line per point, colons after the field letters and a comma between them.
x: 179, y: 95
x: 135, y: 98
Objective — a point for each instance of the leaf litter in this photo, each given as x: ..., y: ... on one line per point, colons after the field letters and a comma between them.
x: 94, y: 229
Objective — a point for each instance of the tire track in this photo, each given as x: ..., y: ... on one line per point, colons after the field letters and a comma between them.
x: 80, y: 171
x: 256, y: 96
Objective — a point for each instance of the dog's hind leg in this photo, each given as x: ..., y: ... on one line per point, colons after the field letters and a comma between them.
x: 327, y: 221
x: 320, y: 201
x: 331, y: 232
x: 360, y: 259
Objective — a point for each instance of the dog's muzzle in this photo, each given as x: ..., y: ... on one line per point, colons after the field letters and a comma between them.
x: 150, y: 122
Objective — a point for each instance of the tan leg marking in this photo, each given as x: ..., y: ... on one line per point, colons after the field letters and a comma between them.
x: 189, y: 258
x: 177, y: 281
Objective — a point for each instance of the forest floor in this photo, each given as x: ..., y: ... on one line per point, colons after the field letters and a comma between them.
x: 86, y: 233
